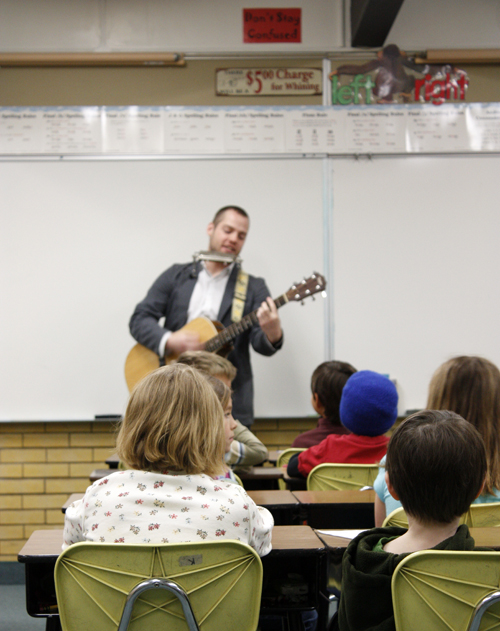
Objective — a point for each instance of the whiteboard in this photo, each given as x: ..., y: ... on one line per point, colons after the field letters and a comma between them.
x: 82, y: 241
x: 416, y: 261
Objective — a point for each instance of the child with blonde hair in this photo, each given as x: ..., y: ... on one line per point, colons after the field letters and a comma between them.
x: 172, y: 441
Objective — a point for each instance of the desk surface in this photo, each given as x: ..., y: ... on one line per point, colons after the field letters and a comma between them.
x: 261, y: 498
x: 484, y: 537
x: 261, y: 473
x: 72, y: 498
x: 252, y: 473
x: 335, y: 497
x: 114, y: 460
x: 46, y: 544
x: 273, y: 455
x: 273, y: 498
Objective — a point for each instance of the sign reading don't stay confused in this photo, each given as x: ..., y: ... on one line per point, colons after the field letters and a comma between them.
x: 272, y: 26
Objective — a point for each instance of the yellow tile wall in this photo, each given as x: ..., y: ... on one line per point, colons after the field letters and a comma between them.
x: 280, y: 433
x: 41, y: 464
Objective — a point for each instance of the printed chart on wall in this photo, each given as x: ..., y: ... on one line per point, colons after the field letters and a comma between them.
x: 388, y: 129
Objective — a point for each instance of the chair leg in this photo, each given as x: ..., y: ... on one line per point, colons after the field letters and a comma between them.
x: 158, y: 583
x: 53, y: 624
x: 481, y: 609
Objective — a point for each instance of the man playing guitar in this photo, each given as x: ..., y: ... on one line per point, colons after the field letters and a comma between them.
x: 218, y: 290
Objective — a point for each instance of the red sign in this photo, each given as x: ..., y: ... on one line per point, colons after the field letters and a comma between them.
x: 272, y: 26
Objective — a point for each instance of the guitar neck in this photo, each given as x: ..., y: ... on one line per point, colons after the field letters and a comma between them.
x: 227, y: 335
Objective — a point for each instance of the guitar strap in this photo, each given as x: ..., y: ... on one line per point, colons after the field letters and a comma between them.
x: 240, y: 295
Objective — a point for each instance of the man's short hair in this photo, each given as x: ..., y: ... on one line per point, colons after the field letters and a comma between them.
x: 436, y: 463
x: 328, y: 381
x: 209, y: 363
x: 218, y: 215
x: 175, y: 422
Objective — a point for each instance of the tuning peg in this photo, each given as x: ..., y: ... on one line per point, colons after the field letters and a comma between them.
x: 323, y: 293
x: 313, y: 297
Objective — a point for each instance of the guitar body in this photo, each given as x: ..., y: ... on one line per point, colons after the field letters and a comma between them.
x: 217, y: 339
x: 141, y: 361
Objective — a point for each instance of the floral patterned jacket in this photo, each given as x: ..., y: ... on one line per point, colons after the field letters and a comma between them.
x: 147, y: 507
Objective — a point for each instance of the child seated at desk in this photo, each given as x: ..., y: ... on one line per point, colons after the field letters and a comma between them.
x: 436, y: 466
x: 224, y: 395
x: 368, y: 409
x: 327, y: 382
x: 469, y: 386
x: 172, y: 440
x: 246, y: 448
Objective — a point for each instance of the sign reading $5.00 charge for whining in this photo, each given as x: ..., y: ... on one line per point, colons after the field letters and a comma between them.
x: 268, y: 81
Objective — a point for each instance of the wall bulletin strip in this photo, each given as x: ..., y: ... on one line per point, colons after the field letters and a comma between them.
x: 206, y: 131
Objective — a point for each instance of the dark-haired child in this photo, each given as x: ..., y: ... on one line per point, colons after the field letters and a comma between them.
x: 368, y: 409
x: 327, y: 382
x: 436, y: 467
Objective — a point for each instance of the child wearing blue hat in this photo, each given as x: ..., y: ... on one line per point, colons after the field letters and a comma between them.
x: 368, y: 409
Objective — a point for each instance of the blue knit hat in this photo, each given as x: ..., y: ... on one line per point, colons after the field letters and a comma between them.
x: 369, y: 404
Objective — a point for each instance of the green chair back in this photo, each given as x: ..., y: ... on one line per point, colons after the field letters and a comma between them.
x: 341, y: 477
x: 443, y: 590
x: 398, y: 517
x: 284, y: 459
x: 222, y: 580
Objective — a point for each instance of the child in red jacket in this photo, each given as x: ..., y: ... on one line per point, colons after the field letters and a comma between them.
x: 327, y: 383
x: 368, y: 409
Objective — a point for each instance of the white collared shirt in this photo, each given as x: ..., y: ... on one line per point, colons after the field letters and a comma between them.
x: 208, y: 292
x: 206, y: 298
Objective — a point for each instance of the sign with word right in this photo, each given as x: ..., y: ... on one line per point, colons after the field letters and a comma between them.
x: 392, y: 77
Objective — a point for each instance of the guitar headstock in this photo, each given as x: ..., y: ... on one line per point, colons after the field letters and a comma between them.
x: 307, y: 287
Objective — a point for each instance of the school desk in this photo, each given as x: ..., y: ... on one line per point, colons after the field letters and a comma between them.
x: 294, y: 484
x: 253, y: 478
x: 484, y: 537
x: 72, y: 498
x: 97, y: 474
x: 273, y: 455
x: 337, y: 509
x: 114, y: 460
x: 296, y: 551
x: 260, y: 478
x: 283, y: 506
x: 319, y: 509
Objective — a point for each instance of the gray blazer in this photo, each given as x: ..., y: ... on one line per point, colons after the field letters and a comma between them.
x: 169, y: 297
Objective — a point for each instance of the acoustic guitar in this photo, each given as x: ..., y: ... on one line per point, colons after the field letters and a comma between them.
x: 141, y: 361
